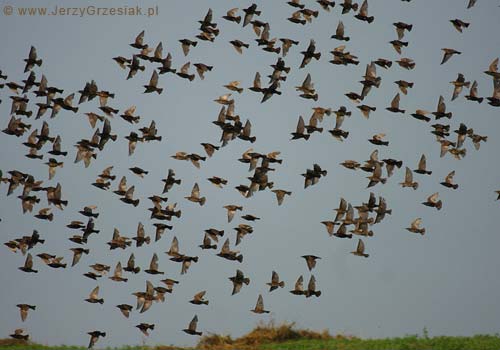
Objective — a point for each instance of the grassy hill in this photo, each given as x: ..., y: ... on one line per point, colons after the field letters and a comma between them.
x: 286, y: 337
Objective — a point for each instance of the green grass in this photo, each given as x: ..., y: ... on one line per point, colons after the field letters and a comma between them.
x: 478, y: 342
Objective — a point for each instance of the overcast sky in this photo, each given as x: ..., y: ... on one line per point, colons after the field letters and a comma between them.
x: 446, y: 280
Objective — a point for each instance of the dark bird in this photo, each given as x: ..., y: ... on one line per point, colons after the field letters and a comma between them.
x: 32, y: 60
x: 192, y: 327
x: 125, y: 309
x: 459, y: 24
x: 401, y: 27
x: 19, y: 335
x: 145, y: 327
x: 275, y: 282
x: 347, y: 6
x: 249, y: 13
x: 309, y: 54
x: 239, y: 45
x: 238, y: 281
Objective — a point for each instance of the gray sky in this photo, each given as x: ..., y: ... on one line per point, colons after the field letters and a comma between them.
x: 446, y: 280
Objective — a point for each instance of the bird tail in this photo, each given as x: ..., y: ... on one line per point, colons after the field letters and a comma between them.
x: 317, y: 55
x: 202, y: 200
x: 370, y: 20
x: 415, y: 185
x: 238, y: 19
x: 240, y: 258
x: 409, y: 27
x: 439, y: 205
x: 281, y: 284
x: 422, y: 231
x: 50, y: 217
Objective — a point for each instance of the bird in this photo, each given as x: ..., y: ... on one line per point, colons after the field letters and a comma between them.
x: 192, y: 327
x: 94, y: 297
x: 32, y: 60
x: 186, y: 45
x: 310, y: 54
x: 24, y: 309
x: 422, y: 166
x: 339, y: 33
x: 459, y: 24
x: 395, y: 105
x: 195, y: 196
x: 238, y: 280
x: 311, y: 261
x: 408, y: 182
x: 19, y: 335
x: 448, y: 53
x: 434, y: 201
x: 153, y: 266
x: 28, y: 265
x: 448, y: 181
x: 458, y: 84
x: 125, y: 309
x: 198, y: 299
x: 259, y: 306
x: 415, y: 226
x: 94, y: 337
x: 231, y: 210
x: 360, y: 249
x: 311, y: 288
x: 363, y: 13
x: 299, y: 288
x: 473, y: 94
x: 152, y: 86
x: 145, y: 328
x: 275, y: 282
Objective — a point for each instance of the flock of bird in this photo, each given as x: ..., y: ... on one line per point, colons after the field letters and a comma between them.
x: 349, y: 219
